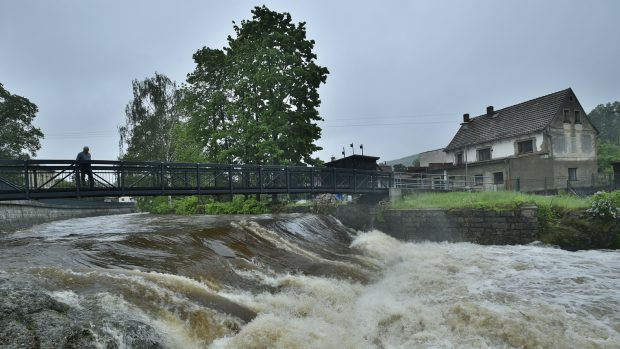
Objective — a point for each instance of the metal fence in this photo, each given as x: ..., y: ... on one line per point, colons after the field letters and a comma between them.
x: 440, y: 182
x: 61, y: 178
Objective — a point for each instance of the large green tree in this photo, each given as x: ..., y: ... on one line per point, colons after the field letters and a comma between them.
x: 208, y: 100
x: 18, y: 137
x: 606, y: 118
x: 152, y: 117
x: 606, y: 153
x: 256, y: 100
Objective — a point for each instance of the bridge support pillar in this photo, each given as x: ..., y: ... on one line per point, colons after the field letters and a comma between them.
x: 395, y: 194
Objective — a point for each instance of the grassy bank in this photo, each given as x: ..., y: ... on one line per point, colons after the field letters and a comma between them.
x: 488, y: 200
x: 567, y: 221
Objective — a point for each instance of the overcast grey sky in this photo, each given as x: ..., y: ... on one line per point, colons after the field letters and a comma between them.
x: 401, y: 72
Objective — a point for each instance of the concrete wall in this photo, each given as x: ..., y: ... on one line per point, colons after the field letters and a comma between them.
x: 571, y: 140
x: 16, y: 215
x: 463, y: 225
x: 485, y: 227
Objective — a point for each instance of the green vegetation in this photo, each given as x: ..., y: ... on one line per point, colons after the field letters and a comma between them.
x: 151, y: 119
x: 567, y: 221
x: 194, y: 205
x: 488, y: 200
x: 254, y: 101
x: 606, y: 118
x: 605, y: 206
x: 18, y: 137
x: 606, y: 153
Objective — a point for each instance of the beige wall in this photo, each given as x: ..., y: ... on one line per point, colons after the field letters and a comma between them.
x: 434, y: 156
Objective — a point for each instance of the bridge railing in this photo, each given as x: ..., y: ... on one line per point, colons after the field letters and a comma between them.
x: 62, y: 178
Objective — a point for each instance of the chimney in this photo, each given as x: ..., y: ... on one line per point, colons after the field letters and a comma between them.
x: 490, y: 111
x: 465, y: 118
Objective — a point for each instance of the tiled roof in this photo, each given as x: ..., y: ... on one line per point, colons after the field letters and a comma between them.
x: 519, y: 119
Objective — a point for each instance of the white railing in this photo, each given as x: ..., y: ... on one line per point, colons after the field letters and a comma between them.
x: 440, y: 182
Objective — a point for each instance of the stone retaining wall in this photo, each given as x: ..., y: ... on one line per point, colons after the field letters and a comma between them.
x: 485, y: 227
x: 22, y: 214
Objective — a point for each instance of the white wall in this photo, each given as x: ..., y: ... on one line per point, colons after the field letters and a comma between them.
x: 499, y: 149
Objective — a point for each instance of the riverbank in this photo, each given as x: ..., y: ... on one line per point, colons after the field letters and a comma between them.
x: 21, y: 214
x: 567, y: 221
x: 293, y: 281
x: 490, y: 218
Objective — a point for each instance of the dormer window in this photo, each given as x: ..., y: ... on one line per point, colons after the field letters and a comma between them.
x: 484, y: 154
x: 525, y: 147
x: 459, y: 158
x: 566, y: 116
x: 577, y: 117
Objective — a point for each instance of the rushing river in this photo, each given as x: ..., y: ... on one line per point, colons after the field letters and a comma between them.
x: 293, y: 281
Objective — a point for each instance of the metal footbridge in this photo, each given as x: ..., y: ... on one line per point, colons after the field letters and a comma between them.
x: 33, y: 179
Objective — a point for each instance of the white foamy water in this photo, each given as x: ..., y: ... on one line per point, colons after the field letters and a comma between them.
x: 293, y: 281
x: 441, y: 295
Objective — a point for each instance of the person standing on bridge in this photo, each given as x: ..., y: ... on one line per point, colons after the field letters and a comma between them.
x: 83, y: 159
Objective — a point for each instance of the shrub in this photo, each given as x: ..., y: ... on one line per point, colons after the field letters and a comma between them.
x: 238, y: 205
x: 605, y: 205
x: 157, y: 205
x: 188, y: 205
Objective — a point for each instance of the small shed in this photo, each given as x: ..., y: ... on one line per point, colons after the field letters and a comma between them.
x: 616, y: 166
x: 358, y: 162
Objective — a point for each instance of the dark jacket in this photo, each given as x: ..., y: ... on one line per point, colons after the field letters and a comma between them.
x: 82, y: 156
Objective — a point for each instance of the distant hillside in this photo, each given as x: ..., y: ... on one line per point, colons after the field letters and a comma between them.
x: 407, y: 160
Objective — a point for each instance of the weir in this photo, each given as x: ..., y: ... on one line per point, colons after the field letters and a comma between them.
x: 293, y: 280
x: 21, y: 214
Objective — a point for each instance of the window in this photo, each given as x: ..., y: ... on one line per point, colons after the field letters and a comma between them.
x: 572, y: 174
x: 525, y: 147
x: 577, y: 117
x: 498, y: 178
x: 484, y: 154
x: 566, y: 116
x: 459, y: 158
x: 478, y: 179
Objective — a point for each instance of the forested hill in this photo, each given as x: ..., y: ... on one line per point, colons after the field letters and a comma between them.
x: 407, y: 160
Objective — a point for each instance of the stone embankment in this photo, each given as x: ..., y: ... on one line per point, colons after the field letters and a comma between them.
x: 485, y: 227
x: 22, y: 214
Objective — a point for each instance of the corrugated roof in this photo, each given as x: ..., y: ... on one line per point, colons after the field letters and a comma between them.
x: 519, y: 119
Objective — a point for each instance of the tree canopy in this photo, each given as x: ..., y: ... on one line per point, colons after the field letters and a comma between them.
x: 152, y: 117
x: 399, y: 168
x: 256, y: 100
x: 18, y: 137
x: 606, y: 118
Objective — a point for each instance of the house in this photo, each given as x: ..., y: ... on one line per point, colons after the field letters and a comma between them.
x: 547, y: 143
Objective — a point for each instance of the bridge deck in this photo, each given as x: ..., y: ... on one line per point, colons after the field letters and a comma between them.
x: 31, y: 179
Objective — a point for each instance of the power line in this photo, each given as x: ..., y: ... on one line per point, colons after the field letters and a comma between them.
x: 411, y: 116
x: 393, y: 124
